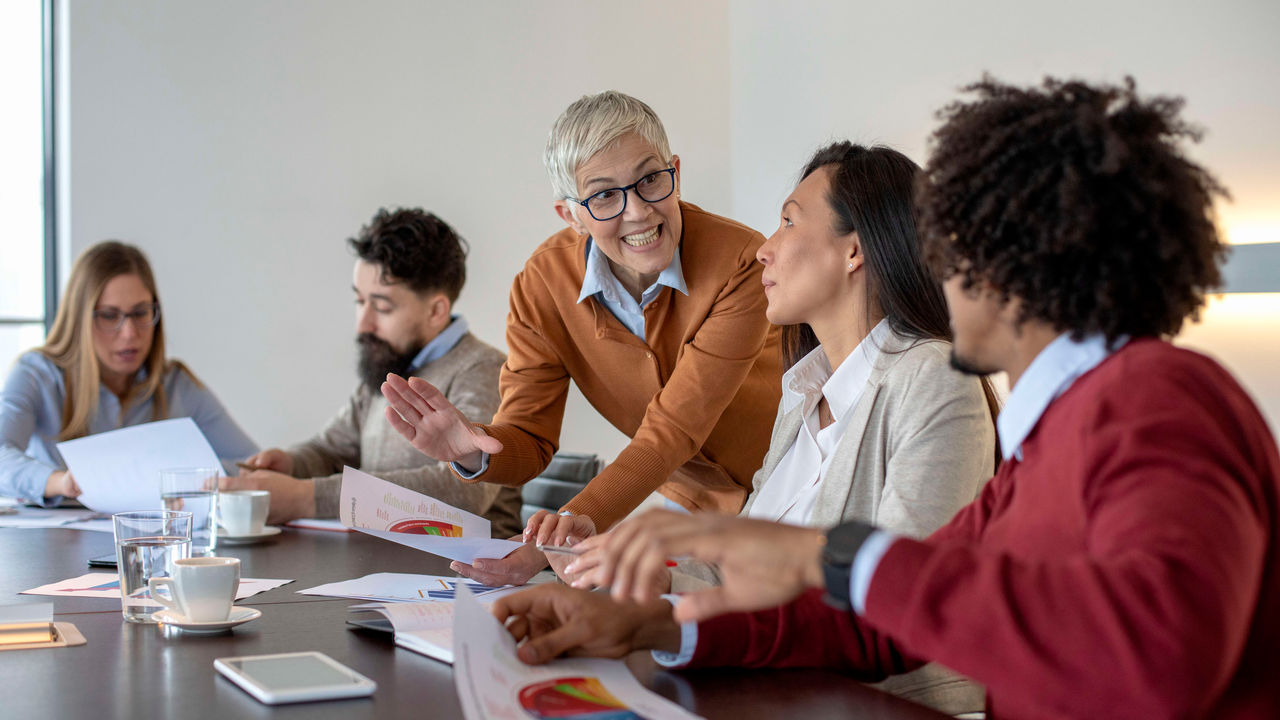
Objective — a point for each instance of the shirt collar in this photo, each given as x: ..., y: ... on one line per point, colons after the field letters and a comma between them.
x: 1048, y: 376
x: 600, y: 279
x: 812, y: 375
x: 441, y: 344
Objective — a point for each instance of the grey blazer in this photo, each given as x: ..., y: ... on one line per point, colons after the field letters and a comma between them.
x: 919, y: 446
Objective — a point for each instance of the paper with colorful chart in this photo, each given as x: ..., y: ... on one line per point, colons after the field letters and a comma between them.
x: 386, y: 510
x: 493, y: 683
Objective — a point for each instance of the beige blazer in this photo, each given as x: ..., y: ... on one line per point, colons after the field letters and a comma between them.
x: 919, y: 446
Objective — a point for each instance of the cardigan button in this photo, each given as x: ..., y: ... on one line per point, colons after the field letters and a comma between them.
x: 648, y: 356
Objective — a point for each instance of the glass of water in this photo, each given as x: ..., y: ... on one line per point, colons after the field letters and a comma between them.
x: 147, y: 544
x: 194, y: 490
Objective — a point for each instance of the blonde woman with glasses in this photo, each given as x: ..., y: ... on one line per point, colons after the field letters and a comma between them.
x: 102, y: 367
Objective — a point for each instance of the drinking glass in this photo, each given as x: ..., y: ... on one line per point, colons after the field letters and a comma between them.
x: 194, y: 490
x: 147, y: 544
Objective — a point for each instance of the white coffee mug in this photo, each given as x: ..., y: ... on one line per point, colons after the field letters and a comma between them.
x: 202, y: 589
x: 243, y: 512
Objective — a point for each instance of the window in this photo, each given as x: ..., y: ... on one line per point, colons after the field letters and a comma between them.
x: 25, y: 255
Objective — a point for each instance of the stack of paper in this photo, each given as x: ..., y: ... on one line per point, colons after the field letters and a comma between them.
x: 423, y: 627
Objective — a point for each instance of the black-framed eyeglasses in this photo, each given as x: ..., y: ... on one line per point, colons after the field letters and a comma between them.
x: 609, y: 204
x: 112, y: 321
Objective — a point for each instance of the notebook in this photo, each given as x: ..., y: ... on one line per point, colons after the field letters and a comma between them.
x: 423, y: 627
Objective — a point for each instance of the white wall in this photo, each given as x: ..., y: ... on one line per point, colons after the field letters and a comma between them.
x: 240, y: 142
x: 877, y: 72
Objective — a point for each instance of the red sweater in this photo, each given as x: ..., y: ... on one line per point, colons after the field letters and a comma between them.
x: 1126, y: 567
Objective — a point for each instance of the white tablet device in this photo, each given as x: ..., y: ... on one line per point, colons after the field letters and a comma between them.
x: 294, y: 677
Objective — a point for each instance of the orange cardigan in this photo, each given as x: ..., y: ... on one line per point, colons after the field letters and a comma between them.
x: 697, y: 396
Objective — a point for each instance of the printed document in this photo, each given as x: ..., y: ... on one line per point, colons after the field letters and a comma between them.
x: 394, y: 513
x: 493, y: 683
x: 118, y: 470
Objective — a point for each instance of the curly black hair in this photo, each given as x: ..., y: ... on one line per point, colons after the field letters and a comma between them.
x: 1077, y: 200
x: 416, y: 248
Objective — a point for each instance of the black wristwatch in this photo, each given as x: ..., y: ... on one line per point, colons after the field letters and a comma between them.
x: 843, y: 542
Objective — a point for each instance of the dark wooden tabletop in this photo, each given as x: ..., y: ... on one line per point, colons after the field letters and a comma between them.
x: 144, y: 671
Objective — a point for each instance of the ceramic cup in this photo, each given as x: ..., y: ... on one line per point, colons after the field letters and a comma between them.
x: 202, y: 589
x: 243, y: 512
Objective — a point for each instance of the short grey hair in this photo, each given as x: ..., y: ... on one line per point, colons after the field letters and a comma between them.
x: 591, y: 124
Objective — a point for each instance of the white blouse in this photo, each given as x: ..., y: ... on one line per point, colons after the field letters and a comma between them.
x: 791, y: 491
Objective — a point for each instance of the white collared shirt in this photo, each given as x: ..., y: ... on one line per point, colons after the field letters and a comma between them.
x: 791, y: 492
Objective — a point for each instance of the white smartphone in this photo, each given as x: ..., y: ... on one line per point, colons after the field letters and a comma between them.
x: 294, y: 677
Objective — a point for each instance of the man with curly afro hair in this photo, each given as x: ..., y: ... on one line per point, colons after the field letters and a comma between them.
x: 410, y: 267
x: 1124, y: 562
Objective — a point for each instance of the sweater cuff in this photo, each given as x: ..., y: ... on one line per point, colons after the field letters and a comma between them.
x: 327, y: 490
x: 620, y: 487
x: 518, y: 462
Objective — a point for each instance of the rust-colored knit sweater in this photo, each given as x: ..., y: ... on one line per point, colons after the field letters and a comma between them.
x: 697, y: 397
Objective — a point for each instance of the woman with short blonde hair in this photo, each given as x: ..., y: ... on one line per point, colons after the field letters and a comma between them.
x: 102, y: 367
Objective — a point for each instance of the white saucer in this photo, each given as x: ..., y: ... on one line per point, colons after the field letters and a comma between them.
x: 268, y: 531
x: 239, y: 615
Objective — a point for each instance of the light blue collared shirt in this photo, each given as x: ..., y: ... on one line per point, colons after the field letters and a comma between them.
x: 441, y: 344
x: 31, y: 418
x: 605, y: 286
x: 1055, y: 369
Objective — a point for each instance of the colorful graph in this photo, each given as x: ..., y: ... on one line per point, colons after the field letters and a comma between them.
x: 579, y: 698
x: 427, y: 527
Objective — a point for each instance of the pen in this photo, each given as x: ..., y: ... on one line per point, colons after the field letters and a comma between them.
x: 247, y: 466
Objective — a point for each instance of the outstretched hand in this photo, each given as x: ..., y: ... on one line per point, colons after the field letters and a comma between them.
x: 425, y: 418
x: 762, y: 564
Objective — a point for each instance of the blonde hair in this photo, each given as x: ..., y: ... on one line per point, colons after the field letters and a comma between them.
x: 591, y: 124
x: 69, y: 344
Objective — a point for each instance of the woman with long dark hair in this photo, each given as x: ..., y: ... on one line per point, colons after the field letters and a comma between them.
x: 874, y: 423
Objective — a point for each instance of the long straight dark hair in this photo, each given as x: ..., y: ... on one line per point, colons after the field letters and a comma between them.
x: 872, y: 192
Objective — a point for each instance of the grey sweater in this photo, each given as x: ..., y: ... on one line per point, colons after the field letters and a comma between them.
x: 360, y: 436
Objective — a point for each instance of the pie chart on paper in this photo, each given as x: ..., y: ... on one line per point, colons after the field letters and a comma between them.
x: 579, y: 698
x: 427, y: 527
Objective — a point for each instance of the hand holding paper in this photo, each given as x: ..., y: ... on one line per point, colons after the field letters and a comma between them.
x: 394, y: 513
x: 118, y: 471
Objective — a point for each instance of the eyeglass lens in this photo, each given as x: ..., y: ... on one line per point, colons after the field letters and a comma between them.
x: 608, y: 204
x: 113, y: 320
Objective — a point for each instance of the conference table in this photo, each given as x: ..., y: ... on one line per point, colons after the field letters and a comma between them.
x: 129, y: 670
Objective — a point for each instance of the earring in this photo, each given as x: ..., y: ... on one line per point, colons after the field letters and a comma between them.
x: 850, y: 266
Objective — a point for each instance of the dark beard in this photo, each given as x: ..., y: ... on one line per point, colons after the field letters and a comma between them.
x: 378, y: 358
x: 967, y: 367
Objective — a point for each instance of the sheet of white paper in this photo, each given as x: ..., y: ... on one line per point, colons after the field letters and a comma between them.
x: 388, y: 511
x: 318, y: 524
x: 107, y: 585
x: 493, y: 683
x: 28, y: 518
x: 399, y: 587
x: 117, y: 471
